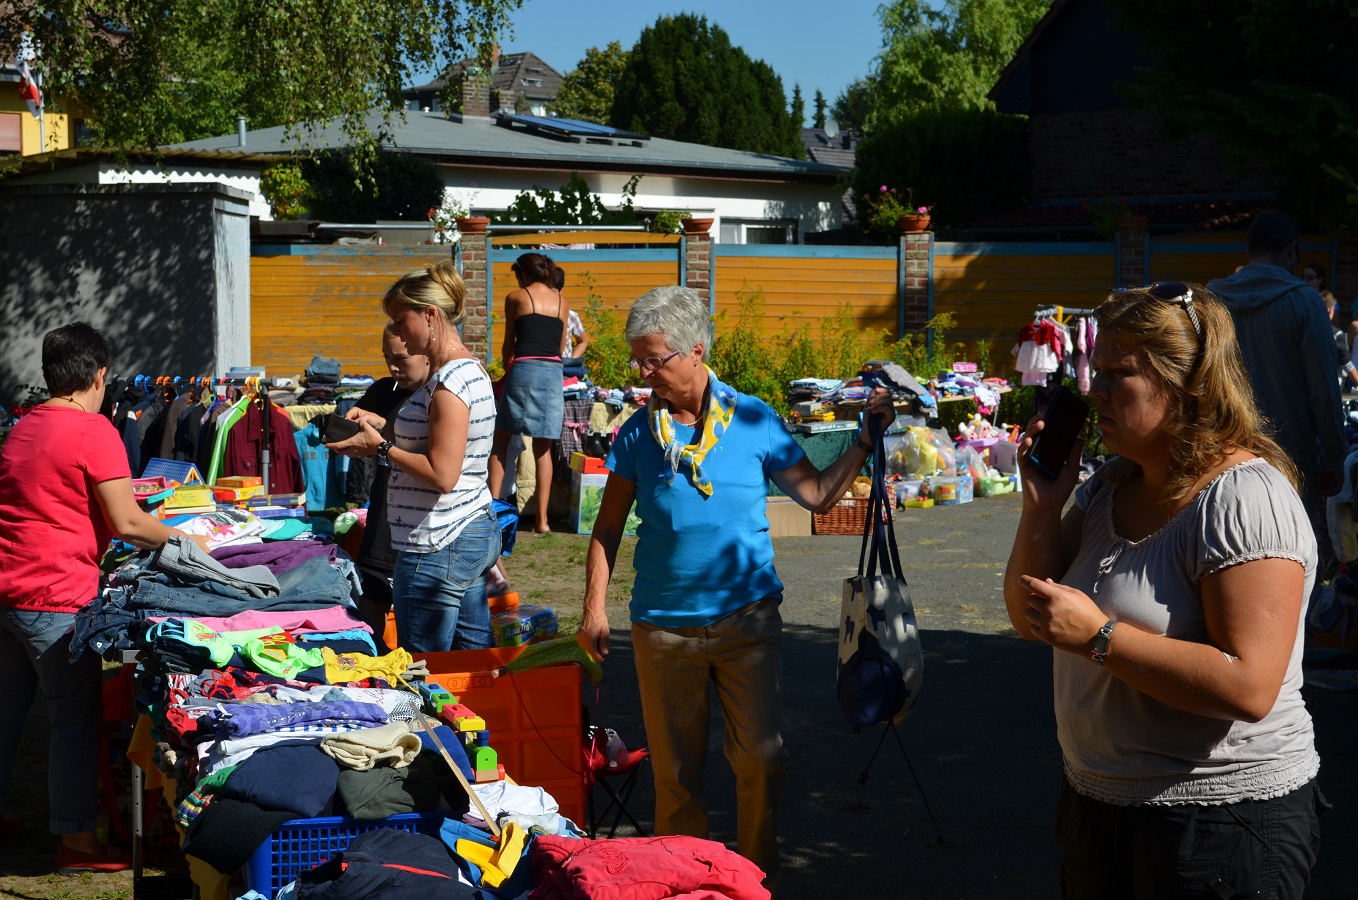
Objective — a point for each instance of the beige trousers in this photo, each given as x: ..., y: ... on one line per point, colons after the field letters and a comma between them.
x: 676, y: 667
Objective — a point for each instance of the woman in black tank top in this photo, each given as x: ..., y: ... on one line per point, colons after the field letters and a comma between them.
x: 531, y: 402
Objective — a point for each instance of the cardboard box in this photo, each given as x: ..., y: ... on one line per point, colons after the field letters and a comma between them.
x: 237, y: 482
x: 788, y: 518
x: 587, y: 465
x: 951, y: 490
x: 523, y: 624
x: 587, y: 493
x: 232, y: 494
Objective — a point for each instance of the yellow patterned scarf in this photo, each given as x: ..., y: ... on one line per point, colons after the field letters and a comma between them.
x: 721, y: 408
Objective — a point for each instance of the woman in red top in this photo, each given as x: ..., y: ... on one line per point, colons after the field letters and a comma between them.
x: 65, y: 489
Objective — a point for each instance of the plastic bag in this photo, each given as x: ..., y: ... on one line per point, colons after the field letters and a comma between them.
x: 969, y: 462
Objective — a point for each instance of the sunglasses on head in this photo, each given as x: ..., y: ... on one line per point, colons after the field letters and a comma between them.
x: 1179, y: 294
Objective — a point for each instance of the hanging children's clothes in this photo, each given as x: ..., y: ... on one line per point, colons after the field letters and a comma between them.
x: 321, y: 469
x: 244, y: 443
x: 1039, y: 351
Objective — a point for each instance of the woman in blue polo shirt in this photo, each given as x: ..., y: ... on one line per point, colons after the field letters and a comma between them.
x: 705, y: 600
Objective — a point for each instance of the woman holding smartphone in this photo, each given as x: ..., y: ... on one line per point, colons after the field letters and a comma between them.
x: 1172, y: 592
x: 442, y: 527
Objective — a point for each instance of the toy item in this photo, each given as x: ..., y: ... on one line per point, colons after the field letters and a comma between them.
x: 523, y: 624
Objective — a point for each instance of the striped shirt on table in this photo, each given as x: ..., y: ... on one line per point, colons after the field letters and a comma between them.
x: 423, y: 520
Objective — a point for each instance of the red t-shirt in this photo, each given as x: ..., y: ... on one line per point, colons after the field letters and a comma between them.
x: 52, y: 529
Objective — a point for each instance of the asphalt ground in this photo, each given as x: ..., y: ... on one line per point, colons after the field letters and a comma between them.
x: 981, y: 741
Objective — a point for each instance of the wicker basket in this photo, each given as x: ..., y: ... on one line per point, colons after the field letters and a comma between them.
x: 849, y: 516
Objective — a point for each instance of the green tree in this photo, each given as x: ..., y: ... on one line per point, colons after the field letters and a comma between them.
x: 946, y: 57
x: 572, y: 204
x: 1273, y: 79
x: 819, y: 120
x: 402, y: 186
x: 798, y: 106
x: 853, y: 106
x: 145, y: 73
x: 685, y: 81
x: 928, y: 123
x: 587, y: 90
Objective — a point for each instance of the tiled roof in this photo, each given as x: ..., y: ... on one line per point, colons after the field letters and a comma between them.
x: 830, y: 150
x: 481, y: 142
x: 523, y: 73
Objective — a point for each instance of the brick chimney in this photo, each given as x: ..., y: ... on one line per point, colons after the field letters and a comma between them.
x: 475, y: 95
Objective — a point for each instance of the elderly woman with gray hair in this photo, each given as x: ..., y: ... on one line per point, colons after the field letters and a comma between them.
x: 704, y: 607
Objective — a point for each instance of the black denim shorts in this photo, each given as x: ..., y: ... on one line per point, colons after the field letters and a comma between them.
x: 1256, y: 848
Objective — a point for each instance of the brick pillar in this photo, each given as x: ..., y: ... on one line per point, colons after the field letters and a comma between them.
x: 915, y: 256
x: 1131, y: 235
x: 474, y: 264
x: 1344, y: 278
x: 699, y: 265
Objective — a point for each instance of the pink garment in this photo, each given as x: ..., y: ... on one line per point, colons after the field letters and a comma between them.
x: 1082, y: 360
x: 323, y: 621
x: 641, y: 869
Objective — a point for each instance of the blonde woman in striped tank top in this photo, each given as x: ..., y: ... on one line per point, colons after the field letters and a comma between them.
x: 442, y: 528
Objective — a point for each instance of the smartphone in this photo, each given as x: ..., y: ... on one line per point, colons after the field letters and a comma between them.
x: 1061, y: 424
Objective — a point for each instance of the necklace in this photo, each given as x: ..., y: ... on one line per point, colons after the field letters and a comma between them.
x: 72, y: 401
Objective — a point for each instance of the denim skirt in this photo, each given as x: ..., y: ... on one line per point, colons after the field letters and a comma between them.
x: 532, y: 403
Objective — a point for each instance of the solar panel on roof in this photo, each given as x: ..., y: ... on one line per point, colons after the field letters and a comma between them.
x: 572, y: 129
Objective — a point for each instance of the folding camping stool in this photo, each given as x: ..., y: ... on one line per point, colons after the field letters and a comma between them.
x: 600, y: 770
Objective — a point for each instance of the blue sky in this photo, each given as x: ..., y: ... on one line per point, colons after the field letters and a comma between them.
x: 819, y: 43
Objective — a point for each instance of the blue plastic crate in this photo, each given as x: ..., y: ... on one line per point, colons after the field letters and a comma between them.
x: 301, y: 844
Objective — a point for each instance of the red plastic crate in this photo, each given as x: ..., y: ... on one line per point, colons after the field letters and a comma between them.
x: 534, y: 718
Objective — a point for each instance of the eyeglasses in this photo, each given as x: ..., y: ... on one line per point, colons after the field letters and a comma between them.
x: 1180, y: 294
x: 651, y: 363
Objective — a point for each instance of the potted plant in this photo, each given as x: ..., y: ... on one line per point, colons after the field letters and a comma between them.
x: 889, y: 214
x: 452, y: 219
x: 695, y: 226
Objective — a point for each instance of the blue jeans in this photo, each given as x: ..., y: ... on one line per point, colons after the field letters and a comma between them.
x: 34, y: 651
x: 440, y: 597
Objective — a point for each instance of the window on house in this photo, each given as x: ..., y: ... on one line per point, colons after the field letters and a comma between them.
x: 532, y: 82
x: 11, y: 133
x: 84, y: 135
x: 758, y: 231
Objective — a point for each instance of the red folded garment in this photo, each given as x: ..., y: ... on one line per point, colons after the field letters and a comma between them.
x: 641, y: 869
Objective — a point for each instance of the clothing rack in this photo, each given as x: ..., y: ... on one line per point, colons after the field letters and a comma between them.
x: 1059, y: 313
x: 261, y: 387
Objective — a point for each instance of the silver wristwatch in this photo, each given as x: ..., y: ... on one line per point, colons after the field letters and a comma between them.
x: 382, y: 450
x: 1101, y: 642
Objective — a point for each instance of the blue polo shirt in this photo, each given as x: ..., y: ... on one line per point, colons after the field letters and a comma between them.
x: 699, y: 559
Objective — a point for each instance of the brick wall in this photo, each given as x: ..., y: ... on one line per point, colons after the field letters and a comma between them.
x: 698, y: 263
x: 1131, y: 237
x: 917, y: 279
x: 474, y: 274
x: 1120, y: 153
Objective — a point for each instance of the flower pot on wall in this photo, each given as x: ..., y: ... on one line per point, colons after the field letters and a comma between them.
x: 472, y: 224
x: 909, y: 224
x: 696, y: 226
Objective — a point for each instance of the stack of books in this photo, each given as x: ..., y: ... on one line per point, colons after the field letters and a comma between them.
x: 273, y: 506
x: 235, y: 488
x: 187, y: 500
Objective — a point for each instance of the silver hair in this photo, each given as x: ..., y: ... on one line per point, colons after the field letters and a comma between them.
x: 676, y: 313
